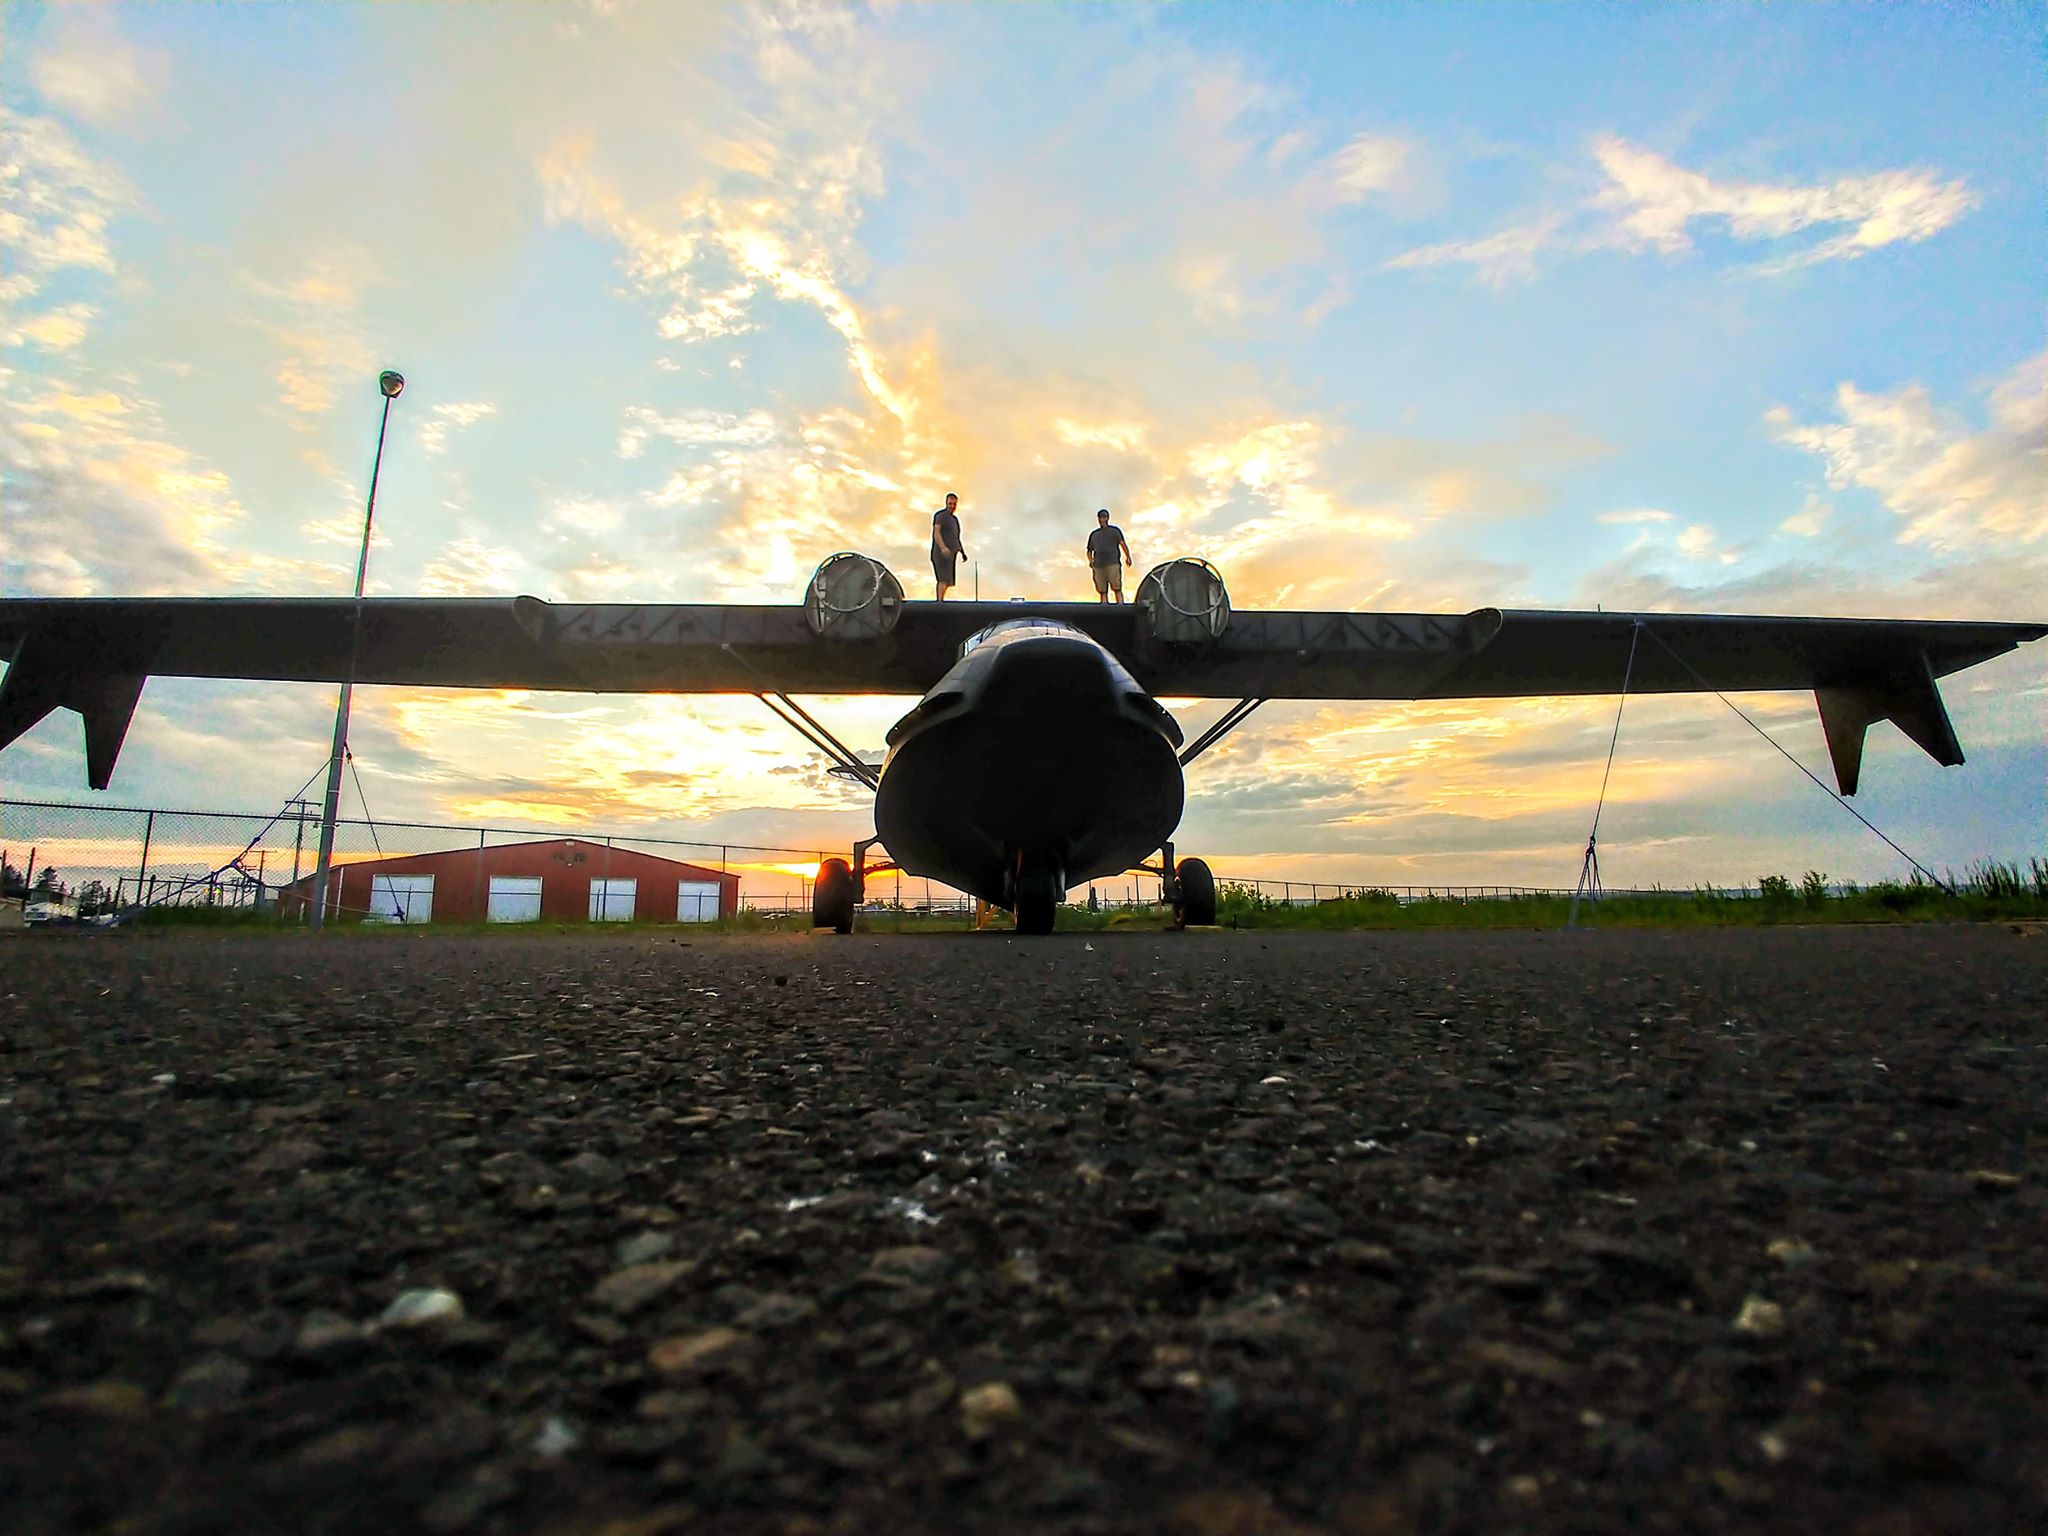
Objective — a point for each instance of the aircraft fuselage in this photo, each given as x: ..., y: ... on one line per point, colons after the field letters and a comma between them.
x: 1037, y: 756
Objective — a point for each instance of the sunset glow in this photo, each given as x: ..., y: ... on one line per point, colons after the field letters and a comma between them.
x: 1411, y: 308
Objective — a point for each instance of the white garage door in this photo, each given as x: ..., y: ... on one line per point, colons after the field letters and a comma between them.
x: 401, y: 899
x: 611, y: 901
x: 515, y: 899
x: 697, y: 901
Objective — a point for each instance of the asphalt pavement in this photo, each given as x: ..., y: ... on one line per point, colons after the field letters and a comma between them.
x: 1219, y: 1234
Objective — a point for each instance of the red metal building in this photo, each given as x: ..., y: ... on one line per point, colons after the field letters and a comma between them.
x: 560, y: 880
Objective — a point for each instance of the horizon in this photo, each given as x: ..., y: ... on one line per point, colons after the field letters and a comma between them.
x: 1674, y: 309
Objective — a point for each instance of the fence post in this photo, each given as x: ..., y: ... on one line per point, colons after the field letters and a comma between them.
x: 148, y: 831
x: 477, y: 901
x: 604, y: 902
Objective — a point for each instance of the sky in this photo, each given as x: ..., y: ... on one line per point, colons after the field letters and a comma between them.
x: 1728, y: 309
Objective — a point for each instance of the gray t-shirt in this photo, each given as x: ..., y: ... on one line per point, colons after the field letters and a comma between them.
x: 1104, y: 544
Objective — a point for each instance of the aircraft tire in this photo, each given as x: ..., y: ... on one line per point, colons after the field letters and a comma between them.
x: 832, y: 898
x: 1197, y: 904
x: 1038, y: 898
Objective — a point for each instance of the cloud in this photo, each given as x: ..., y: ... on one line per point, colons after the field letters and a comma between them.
x: 468, y: 567
x: 1953, y: 488
x: 1370, y: 166
x: 1645, y: 202
x: 454, y: 416
x: 54, y: 330
x: 1808, y: 521
x: 718, y: 429
x: 1639, y: 515
x: 85, y: 68
x: 1654, y: 201
x: 97, y: 500
x: 95, y: 496
x: 317, y: 343
x: 56, y: 203
x: 1699, y: 542
x: 1497, y: 259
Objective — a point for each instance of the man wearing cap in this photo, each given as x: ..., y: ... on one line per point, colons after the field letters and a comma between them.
x: 1104, y: 545
x: 947, y: 552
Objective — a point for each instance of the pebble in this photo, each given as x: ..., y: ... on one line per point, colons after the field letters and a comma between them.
x: 1791, y: 1252
x: 1992, y: 1181
x: 1760, y: 1319
x: 626, y: 1291
x: 284, y: 1157
x: 101, y: 1399
x: 421, y: 1308
x: 989, y: 1407
x: 1520, y: 1360
x: 209, y: 1383
x: 557, y: 1437
x: 1373, y: 1258
x: 913, y: 1262
x: 693, y: 1353
x: 592, y: 1170
x: 644, y: 1247
x: 326, y: 1336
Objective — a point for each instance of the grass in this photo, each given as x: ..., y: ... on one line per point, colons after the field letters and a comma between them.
x: 1986, y: 891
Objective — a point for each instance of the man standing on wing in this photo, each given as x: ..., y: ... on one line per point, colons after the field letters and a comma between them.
x: 1104, y: 544
x: 946, y: 549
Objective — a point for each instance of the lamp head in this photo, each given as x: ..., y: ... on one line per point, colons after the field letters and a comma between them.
x: 391, y: 382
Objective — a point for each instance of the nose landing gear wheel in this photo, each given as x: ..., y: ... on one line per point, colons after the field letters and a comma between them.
x: 1038, y: 898
x: 833, y: 897
x: 1196, y: 906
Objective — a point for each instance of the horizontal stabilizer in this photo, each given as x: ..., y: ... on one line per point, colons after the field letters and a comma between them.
x: 35, y: 684
x: 1908, y: 697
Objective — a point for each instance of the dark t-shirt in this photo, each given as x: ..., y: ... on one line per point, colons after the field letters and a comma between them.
x: 1103, y: 545
x: 945, y: 533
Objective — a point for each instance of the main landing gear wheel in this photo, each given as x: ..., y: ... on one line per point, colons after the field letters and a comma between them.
x: 1038, y: 898
x: 833, y: 897
x: 1197, y: 904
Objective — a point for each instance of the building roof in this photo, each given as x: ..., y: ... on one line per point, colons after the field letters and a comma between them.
x: 593, y: 852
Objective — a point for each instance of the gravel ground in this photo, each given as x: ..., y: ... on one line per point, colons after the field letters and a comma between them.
x: 1208, y: 1234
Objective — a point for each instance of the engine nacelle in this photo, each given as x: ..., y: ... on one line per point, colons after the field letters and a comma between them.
x: 853, y: 597
x: 1182, y: 605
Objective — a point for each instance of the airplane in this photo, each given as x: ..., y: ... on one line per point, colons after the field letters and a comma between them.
x: 1037, y: 757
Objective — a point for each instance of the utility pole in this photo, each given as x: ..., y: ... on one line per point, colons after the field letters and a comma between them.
x: 390, y: 384
x: 298, y: 808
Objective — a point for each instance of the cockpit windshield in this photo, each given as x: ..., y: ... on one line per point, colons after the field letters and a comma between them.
x: 1007, y: 629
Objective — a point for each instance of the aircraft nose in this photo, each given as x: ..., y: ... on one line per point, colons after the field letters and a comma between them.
x: 1049, y: 669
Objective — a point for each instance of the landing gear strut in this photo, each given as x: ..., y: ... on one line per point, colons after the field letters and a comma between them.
x: 1189, y: 888
x: 842, y: 887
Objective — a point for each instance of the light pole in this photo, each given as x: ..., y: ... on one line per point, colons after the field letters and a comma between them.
x: 391, y: 384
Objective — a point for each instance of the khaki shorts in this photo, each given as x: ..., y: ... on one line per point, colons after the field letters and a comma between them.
x: 1108, y: 578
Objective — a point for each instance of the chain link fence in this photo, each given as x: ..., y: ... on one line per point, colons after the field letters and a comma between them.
x: 85, y: 859
x: 89, y: 858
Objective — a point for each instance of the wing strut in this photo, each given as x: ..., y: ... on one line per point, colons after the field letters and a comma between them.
x: 1233, y: 717
x: 794, y: 715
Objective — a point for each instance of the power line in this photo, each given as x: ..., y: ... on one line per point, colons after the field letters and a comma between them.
x: 1767, y: 736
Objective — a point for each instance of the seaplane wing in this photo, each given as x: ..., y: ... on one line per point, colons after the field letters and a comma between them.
x: 854, y: 634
